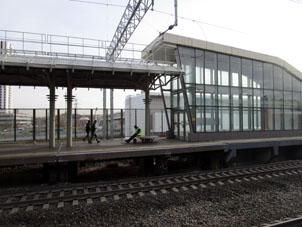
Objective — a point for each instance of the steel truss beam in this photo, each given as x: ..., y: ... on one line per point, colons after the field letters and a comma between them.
x: 134, y: 13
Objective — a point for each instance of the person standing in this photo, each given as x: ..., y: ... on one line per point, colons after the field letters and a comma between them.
x: 138, y: 133
x: 93, y: 132
x: 88, y: 128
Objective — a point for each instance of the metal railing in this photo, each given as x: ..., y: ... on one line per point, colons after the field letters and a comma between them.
x: 38, y: 44
x: 33, y: 124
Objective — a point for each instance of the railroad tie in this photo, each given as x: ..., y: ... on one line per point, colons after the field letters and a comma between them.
x: 23, y: 198
x: 151, y: 184
x: 14, y: 210
x: 45, y: 206
x: 36, y: 197
x: 185, y: 179
x: 268, y: 176
x: 74, y: 192
x: 169, y: 181
x: 62, y: 193
x: 276, y: 175
x: 254, y: 178
x: 220, y: 183
x: 131, y: 186
x: 109, y: 188
x: 194, y: 187
x: 164, y: 191
x: 153, y: 192
x: 246, y: 179
x: 116, y: 197
x: 89, y: 201
x: 261, y: 177
x: 9, y: 200
x: 294, y: 172
x: 29, y: 208
x: 60, y: 205
x: 175, y: 189
x: 212, y: 184
x: 237, y: 180
x: 86, y: 192
x: 184, y: 188
x: 97, y: 189
x: 194, y: 178
x: 120, y: 187
x: 75, y: 202
x: 231, y: 182
x: 141, y: 194
x: 202, y: 185
x: 103, y: 199
x: 129, y: 196
x: 141, y: 185
x: 49, y: 195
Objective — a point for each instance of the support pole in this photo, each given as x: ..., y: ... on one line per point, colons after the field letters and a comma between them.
x: 69, y: 98
x: 52, y: 100
x: 147, y: 112
x: 104, y: 113
x: 111, y: 113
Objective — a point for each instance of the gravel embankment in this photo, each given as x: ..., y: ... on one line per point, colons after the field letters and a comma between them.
x: 240, y: 204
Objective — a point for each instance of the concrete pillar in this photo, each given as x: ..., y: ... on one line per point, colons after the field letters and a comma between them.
x: 69, y: 116
x: 147, y: 112
x: 52, y: 101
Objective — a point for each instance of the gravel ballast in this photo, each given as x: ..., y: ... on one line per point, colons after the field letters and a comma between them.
x: 240, y: 204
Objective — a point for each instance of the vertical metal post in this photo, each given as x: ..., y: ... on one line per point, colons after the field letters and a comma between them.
x: 15, y: 125
x: 165, y: 105
x: 52, y: 99
x: 46, y: 125
x: 107, y: 135
x: 104, y: 113
x: 69, y: 113
x: 75, y: 123
x: 162, y: 121
x: 135, y: 116
x: 122, y: 122
x: 147, y: 112
x: 34, y: 124
x: 91, y: 116
x: 58, y: 124
x: 111, y: 113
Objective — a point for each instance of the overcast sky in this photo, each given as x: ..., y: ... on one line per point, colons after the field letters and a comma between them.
x: 267, y: 26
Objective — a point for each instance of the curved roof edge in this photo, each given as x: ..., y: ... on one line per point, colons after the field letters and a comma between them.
x: 165, y: 43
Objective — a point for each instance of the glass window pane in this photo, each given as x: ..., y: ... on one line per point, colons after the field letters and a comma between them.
x: 257, y: 119
x: 224, y: 119
x: 175, y: 100
x: 288, y: 116
x: 246, y: 97
x: 199, y: 67
x: 268, y: 98
x: 235, y: 71
x: 278, y: 119
x: 278, y: 98
x: 258, y: 97
x: 223, y: 70
x: 210, y: 95
x: 210, y: 68
x: 167, y: 98
x: 287, y: 81
x: 199, y: 120
x: 288, y: 99
x: 235, y: 97
x: 223, y: 96
x: 296, y: 85
x: 257, y: 74
x: 268, y: 119
x: 187, y: 63
x: 247, y: 69
x: 181, y: 101
x: 211, y: 119
x: 268, y: 75
x: 235, y: 119
x: 297, y: 119
x: 278, y: 78
x: 296, y: 100
x: 247, y: 119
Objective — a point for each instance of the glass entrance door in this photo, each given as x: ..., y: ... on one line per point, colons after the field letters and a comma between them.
x: 180, y: 125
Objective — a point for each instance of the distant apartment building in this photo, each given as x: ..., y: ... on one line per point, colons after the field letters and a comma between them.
x: 5, y: 97
x: 135, y: 114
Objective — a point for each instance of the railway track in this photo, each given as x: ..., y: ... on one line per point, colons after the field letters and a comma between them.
x: 110, y: 191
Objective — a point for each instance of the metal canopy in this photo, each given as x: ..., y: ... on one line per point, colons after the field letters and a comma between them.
x: 37, y: 71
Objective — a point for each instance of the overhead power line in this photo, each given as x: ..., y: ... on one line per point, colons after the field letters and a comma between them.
x: 162, y: 12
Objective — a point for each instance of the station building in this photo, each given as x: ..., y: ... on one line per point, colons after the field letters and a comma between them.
x: 226, y: 92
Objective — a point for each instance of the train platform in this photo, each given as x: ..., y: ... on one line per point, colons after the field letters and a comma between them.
x: 115, y: 149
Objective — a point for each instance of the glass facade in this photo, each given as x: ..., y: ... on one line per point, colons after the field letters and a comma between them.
x: 229, y: 93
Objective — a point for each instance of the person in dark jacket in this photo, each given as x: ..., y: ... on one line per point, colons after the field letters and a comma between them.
x: 93, y: 133
x: 138, y: 133
x: 88, y: 128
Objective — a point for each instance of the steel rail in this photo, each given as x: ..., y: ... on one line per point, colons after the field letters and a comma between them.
x: 137, y: 187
